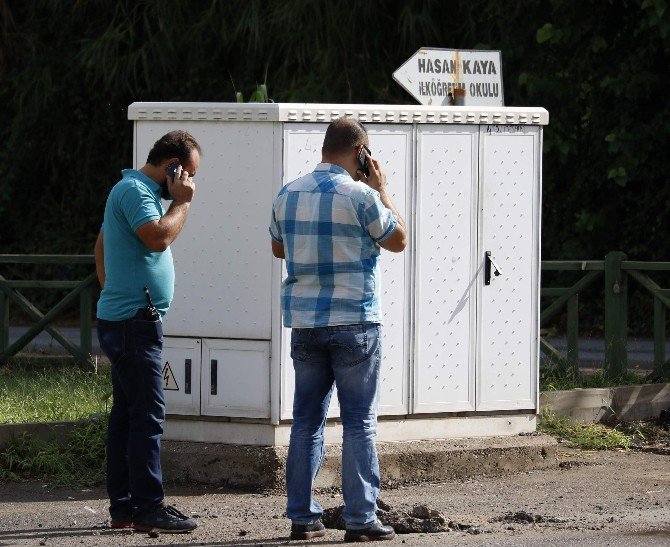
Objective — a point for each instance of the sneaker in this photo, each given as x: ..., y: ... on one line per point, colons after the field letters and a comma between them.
x: 376, y: 532
x: 308, y: 531
x: 122, y: 521
x: 163, y: 518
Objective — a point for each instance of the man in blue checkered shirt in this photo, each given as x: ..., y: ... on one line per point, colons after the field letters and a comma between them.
x: 330, y: 227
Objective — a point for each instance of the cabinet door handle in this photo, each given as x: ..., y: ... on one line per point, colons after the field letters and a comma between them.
x: 187, y: 376
x: 213, y: 374
x: 490, y: 264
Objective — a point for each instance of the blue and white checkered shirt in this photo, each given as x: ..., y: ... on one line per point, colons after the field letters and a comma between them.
x: 330, y: 226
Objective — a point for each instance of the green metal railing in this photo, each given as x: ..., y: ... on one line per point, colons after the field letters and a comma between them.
x: 616, y: 270
x: 80, y: 290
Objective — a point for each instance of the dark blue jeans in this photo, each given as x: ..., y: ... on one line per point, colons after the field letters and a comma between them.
x: 134, y: 476
x: 348, y: 356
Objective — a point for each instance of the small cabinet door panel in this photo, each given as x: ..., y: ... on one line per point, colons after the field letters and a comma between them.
x: 236, y: 378
x: 181, y: 375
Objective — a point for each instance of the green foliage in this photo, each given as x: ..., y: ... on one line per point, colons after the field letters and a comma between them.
x: 258, y: 95
x: 52, y: 394
x: 553, y: 379
x: 584, y: 436
x: 68, y: 71
x: 80, y: 461
x: 645, y: 433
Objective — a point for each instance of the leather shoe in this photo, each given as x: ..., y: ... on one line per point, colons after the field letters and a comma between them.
x: 308, y: 531
x: 376, y: 532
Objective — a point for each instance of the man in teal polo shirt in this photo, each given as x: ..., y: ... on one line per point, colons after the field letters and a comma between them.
x: 135, y: 269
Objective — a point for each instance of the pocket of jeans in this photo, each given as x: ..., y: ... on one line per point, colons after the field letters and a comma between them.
x: 351, y: 347
x: 112, y: 342
x: 147, y: 329
x: 146, y: 334
x: 299, y: 352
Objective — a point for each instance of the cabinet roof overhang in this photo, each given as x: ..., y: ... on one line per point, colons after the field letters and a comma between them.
x: 324, y: 113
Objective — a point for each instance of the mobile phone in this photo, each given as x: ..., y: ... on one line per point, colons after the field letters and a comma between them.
x: 363, y: 160
x: 165, y: 192
x: 172, y: 169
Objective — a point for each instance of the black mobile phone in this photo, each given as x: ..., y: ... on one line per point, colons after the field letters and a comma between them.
x: 165, y: 192
x: 363, y: 160
x: 172, y: 169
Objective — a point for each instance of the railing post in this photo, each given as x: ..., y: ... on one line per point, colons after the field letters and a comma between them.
x: 4, y: 321
x: 573, y: 334
x: 616, y: 315
x: 659, y: 334
x: 85, y: 320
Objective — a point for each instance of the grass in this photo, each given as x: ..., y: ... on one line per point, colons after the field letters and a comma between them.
x: 584, y: 436
x: 78, y: 462
x: 552, y: 379
x: 52, y: 393
x: 55, y: 392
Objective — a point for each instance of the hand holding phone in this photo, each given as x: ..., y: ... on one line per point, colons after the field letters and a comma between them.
x: 180, y: 186
x: 376, y: 179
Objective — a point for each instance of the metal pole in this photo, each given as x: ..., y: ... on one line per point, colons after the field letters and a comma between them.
x: 85, y: 322
x: 4, y: 321
x: 573, y: 335
x: 659, y: 334
x: 616, y: 315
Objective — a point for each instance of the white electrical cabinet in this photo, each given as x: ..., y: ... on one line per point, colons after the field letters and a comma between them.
x: 460, y: 305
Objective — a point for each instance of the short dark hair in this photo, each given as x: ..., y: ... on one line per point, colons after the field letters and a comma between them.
x: 175, y: 143
x: 342, y: 135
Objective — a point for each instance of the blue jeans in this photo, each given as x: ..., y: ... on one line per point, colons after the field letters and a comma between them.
x: 134, y: 475
x: 348, y: 356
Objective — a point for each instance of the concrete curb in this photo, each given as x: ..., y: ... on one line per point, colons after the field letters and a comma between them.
x: 627, y: 403
x: 400, y: 462
x: 45, y: 431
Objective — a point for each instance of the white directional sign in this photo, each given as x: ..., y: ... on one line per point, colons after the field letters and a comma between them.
x: 432, y: 74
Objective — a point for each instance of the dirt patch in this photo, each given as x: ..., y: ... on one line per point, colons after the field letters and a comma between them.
x: 420, y: 519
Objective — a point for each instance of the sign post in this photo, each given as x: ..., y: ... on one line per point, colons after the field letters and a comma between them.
x: 432, y: 75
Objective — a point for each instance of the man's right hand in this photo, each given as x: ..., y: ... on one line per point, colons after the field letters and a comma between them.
x: 377, y: 178
x: 181, y: 187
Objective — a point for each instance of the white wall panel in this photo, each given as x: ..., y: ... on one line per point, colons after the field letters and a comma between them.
x: 236, y: 378
x: 302, y: 153
x: 392, y: 145
x: 181, y: 375
x: 222, y: 263
x: 446, y: 269
x: 508, y: 330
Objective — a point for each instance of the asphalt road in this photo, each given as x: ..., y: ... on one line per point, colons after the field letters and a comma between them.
x: 601, y: 498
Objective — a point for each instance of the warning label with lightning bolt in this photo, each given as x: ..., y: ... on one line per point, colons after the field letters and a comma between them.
x: 169, y: 381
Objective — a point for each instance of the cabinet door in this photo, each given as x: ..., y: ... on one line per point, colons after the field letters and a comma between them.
x: 392, y: 145
x: 236, y: 378
x: 181, y: 375
x: 508, y: 329
x: 302, y: 153
x: 223, y: 269
x: 446, y: 242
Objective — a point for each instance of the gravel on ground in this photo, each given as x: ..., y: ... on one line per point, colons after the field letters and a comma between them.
x: 591, y: 498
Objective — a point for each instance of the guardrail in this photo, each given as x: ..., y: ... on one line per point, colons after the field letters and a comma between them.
x: 81, y: 290
x: 616, y: 270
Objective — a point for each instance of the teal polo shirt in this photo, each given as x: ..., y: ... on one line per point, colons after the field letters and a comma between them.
x: 129, y: 264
